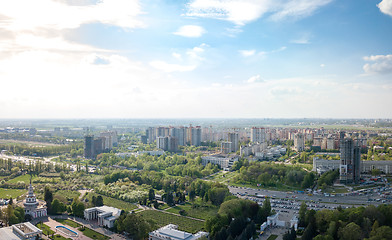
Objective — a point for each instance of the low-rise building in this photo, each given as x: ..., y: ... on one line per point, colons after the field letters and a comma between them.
x: 225, y: 162
x: 171, y: 232
x: 20, y: 231
x: 106, y: 216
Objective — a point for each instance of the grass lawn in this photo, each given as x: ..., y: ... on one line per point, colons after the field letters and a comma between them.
x: 112, y: 202
x: 14, y: 193
x: 93, y: 234
x: 201, y: 211
x: 163, y: 206
x: 24, y: 178
x: 45, y: 229
x: 272, y: 237
x: 59, y: 237
x: 162, y: 219
x: 68, y: 194
x: 68, y: 222
x: 222, y: 176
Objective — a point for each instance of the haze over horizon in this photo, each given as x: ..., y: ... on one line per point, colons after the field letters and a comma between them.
x: 196, y: 59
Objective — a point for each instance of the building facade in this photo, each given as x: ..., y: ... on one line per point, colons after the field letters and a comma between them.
x: 106, y: 216
x: 350, y: 161
x: 33, y: 207
x: 171, y: 232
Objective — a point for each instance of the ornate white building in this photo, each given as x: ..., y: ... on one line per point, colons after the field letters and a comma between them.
x: 33, y: 207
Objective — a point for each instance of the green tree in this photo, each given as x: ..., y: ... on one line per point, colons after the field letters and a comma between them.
x: 136, y: 226
x: 381, y: 233
x: 77, y: 208
x: 151, y: 194
x: 302, y: 214
x: 48, y: 197
x: 99, y: 201
x: 350, y: 232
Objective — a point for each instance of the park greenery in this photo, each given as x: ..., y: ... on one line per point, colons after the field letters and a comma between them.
x: 352, y: 223
x: 177, y: 188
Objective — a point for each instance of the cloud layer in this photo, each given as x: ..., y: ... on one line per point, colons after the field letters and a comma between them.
x: 241, y: 12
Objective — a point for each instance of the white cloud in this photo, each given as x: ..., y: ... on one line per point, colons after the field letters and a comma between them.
x: 177, y: 56
x: 247, y: 53
x: 322, y: 65
x: 191, y: 31
x: 241, y: 12
x: 298, y: 8
x: 51, y: 14
x: 382, y: 64
x: 169, y: 67
x: 385, y: 7
x: 254, y: 79
x: 302, y: 39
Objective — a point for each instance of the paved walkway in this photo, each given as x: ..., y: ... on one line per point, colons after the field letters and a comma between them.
x: 90, y: 224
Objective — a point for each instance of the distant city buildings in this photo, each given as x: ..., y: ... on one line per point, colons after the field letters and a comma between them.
x: 94, y: 146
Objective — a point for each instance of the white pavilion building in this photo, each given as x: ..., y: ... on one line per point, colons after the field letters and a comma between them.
x: 33, y: 207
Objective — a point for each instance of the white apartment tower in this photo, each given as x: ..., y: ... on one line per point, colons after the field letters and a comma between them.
x: 299, y: 142
x: 257, y: 135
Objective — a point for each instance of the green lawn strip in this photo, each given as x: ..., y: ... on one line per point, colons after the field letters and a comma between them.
x: 8, y: 193
x: 163, y: 206
x: 23, y: 178
x: 112, y: 202
x: 68, y: 222
x: 197, y: 211
x: 59, y: 237
x: 162, y: 219
x: 93, y: 234
x: 272, y: 237
x: 68, y: 194
x: 45, y: 229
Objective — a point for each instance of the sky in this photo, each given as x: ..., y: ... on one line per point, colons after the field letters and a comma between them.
x: 196, y: 59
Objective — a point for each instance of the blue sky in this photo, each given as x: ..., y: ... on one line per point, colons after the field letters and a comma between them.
x: 196, y: 58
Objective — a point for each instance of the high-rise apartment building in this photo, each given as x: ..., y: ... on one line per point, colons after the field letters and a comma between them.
x: 350, y: 161
x: 110, y: 139
x: 195, y: 135
x: 233, y: 138
x: 257, y: 135
x: 89, y: 146
x: 299, y: 142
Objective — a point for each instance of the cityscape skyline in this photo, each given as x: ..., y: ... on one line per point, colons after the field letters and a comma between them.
x: 196, y: 59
